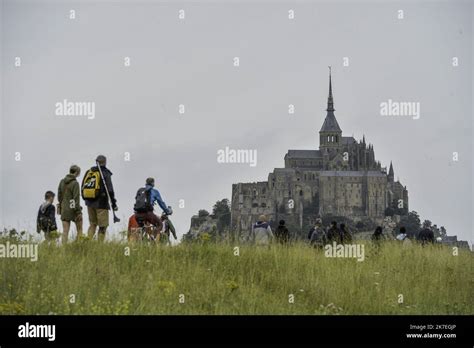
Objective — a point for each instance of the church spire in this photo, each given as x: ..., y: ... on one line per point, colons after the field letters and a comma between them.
x: 330, y: 99
x: 330, y: 124
x: 391, y: 174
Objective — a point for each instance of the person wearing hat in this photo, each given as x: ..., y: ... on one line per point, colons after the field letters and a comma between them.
x: 261, y: 233
x: 99, y: 206
x: 317, y: 236
x: 69, y: 203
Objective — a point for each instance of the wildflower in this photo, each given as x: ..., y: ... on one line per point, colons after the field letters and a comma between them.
x: 232, y: 285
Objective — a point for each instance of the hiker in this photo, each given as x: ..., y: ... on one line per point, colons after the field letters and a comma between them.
x: 98, y: 193
x: 403, y: 236
x: 317, y: 235
x: 426, y: 235
x: 333, y: 234
x: 46, y: 220
x: 261, y: 233
x: 282, y: 233
x: 69, y: 206
x: 145, y: 200
x: 378, y: 236
x: 346, y: 236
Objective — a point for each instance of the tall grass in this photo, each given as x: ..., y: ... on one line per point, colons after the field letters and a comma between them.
x: 213, y: 280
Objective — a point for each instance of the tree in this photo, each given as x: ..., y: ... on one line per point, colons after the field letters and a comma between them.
x: 442, y: 232
x: 427, y: 224
x: 221, y: 212
x: 203, y: 213
x: 411, y: 222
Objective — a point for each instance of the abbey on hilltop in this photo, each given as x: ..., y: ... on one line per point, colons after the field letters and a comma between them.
x: 341, y: 179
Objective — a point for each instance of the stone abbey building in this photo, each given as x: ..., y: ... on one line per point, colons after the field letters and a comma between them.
x: 341, y: 179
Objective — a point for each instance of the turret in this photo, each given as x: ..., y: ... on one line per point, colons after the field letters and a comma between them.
x: 391, y: 173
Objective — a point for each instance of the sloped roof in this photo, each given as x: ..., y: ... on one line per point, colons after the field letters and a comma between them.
x: 304, y: 154
x: 348, y: 140
x: 330, y: 123
x: 351, y: 173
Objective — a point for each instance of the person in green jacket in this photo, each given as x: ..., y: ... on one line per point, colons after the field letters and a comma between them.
x: 69, y: 202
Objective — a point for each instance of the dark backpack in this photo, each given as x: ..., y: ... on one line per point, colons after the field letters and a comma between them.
x: 44, y: 220
x: 143, y: 201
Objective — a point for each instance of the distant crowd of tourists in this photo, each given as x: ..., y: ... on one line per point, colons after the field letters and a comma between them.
x: 318, y: 236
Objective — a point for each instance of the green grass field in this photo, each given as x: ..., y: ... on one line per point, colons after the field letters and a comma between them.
x: 152, y: 280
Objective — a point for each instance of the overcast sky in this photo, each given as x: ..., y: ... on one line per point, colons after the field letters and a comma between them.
x: 191, y: 62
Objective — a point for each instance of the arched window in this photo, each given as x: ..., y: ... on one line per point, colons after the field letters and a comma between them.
x: 329, y: 138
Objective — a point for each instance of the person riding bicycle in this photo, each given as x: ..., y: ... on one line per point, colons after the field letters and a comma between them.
x: 144, y: 201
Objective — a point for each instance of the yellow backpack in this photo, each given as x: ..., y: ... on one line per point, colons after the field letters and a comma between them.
x: 91, y: 185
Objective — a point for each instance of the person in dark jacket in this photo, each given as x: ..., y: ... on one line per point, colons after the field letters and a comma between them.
x: 98, y: 208
x: 333, y: 234
x: 70, y: 203
x: 281, y: 233
x: 46, y: 219
x: 317, y: 235
x: 426, y: 236
x: 378, y: 236
x: 346, y: 236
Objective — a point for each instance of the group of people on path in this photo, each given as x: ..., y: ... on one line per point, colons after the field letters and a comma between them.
x: 318, y: 236
x: 98, y: 193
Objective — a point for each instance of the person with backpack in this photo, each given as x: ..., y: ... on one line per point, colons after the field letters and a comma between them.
x: 69, y: 203
x: 317, y: 236
x: 282, y: 233
x: 145, y: 200
x: 46, y: 220
x: 98, y: 193
x: 261, y: 233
